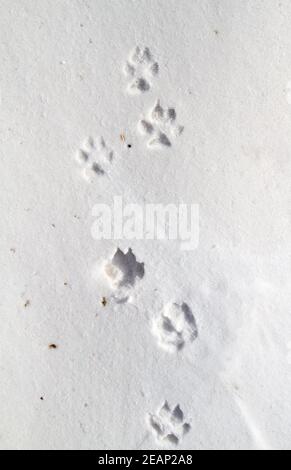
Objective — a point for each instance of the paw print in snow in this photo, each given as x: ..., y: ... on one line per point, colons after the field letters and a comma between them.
x: 175, y: 327
x: 161, y: 126
x: 123, y: 270
x: 94, y: 157
x: 141, y: 68
x: 169, y: 425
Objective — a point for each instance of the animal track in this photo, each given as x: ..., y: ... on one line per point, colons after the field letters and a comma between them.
x: 175, y: 327
x: 169, y: 425
x: 160, y: 126
x: 141, y: 68
x: 93, y: 157
x: 124, y: 270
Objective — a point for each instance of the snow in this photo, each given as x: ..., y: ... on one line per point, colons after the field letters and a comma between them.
x: 74, y: 85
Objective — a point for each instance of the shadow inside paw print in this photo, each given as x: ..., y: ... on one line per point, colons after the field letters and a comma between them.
x: 175, y: 327
x: 140, y: 68
x: 169, y: 425
x: 124, y: 269
x: 93, y: 157
x: 160, y: 126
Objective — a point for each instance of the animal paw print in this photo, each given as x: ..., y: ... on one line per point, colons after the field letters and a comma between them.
x: 169, y: 425
x: 94, y: 157
x: 123, y: 270
x: 175, y: 327
x: 140, y: 68
x: 160, y: 126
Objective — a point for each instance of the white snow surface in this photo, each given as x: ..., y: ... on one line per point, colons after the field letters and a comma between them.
x: 224, y: 66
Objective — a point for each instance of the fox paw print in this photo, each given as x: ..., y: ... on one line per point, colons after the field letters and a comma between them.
x: 123, y: 270
x: 141, y: 68
x: 160, y: 126
x: 175, y: 327
x: 169, y: 425
x: 94, y: 156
